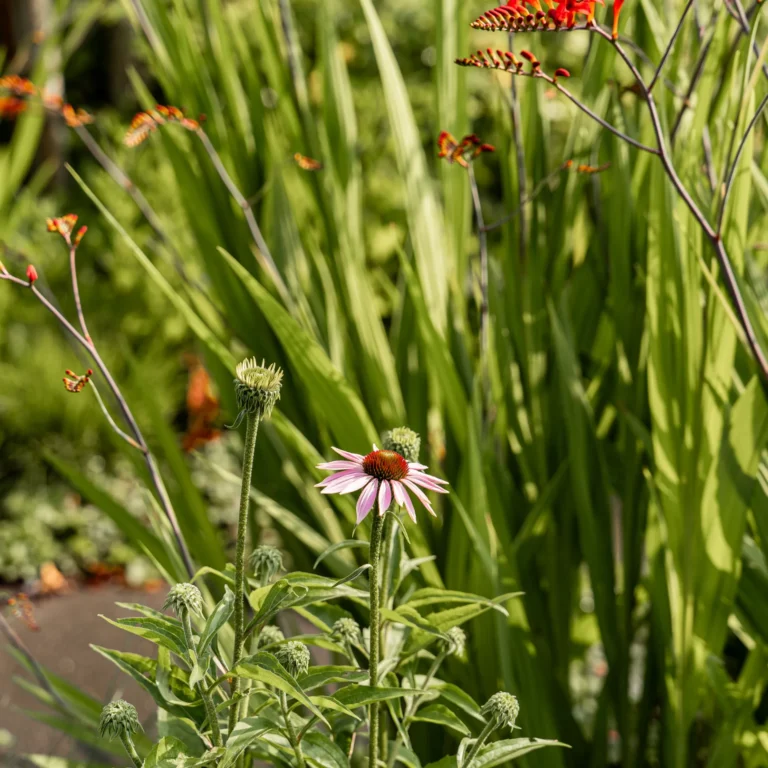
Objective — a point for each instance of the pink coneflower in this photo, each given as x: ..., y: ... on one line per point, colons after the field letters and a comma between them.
x: 382, y: 474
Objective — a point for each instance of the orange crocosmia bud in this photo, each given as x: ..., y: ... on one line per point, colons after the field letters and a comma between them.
x: 307, y: 163
x: 562, y: 73
x: 11, y: 107
x: 80, y: 234
x: 18, y: 86
x: 616, y: 11
x: 446, y: 144
x: 141, y: 126
x: 31, y: 273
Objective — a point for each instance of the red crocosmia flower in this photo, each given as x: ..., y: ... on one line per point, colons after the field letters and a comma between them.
x: 456, y: 152
x: 616, y: 11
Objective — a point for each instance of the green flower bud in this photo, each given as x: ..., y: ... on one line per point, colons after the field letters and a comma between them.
x: 266, y: 562
x: 257, y: 387
x: 346, y: 629
x: 269, y: 635
x: 456, y: 643
x: 118, y: 719
x: 184, y: 597
x: 404, y: 441
x: 294, y: 656
x: 502, y: 708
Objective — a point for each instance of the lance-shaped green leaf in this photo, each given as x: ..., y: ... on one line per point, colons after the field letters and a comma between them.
x: 218, y: 618
x: 441, y: 715
x: 346, y: 544
x: 270, y: 600
x: 265, y: 668
x: 319, y: 676
x: 434, y: 596
x: 404, y: 614
x: 162, y: 632
x: 243, y: 735
x: 352, y: 576
x: 165, y: 749
x: 163, y: 679
x: 510, y: 749
x: 322, y: 752
x: 456, y: 696
x: 362, y: 695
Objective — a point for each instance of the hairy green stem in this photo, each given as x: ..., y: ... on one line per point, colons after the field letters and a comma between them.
x: 131, y: 749
x: 375, y: 606
x: 490, y: 726
x: 251, y: 431
x: 210, y: 710
x: 291, y: 731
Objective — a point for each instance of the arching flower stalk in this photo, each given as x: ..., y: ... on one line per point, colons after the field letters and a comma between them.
x: 382, y: 476
x: 257, y: 388
x: 528, y: 16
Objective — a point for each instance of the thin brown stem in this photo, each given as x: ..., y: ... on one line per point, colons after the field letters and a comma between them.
x: 734, y: 165
x: 76, y: 288
x: 670, y: 45
x: 263, y: 252
x: 128, y: 439
x: 152, y: 468
x: 483, y: 241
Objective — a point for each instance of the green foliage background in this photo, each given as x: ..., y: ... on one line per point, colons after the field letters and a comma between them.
x: 618, y: 477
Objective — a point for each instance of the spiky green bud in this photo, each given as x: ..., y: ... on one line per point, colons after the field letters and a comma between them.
x: 184, y: 597
x: 346, y: 629
x: 266, y: 562
x: 456, y: 642
x: 269, y: 635
x: 119, y: 718
x: 257, y: 387
x: 503, y: 708
x: 404, y: 441
x: 294, y: 656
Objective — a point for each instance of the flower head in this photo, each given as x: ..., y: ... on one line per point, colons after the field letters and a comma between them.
x: 145, y: 123
x: 294, y: 656
x: 384, y: 475
x: 269, y: 636
x: 184, y: 597
x: 456, y: 643
x: 404, y: 441
x: 455, y: 152
x: 75, y: 383
x: 346, y: 629
x: 63, y: 225
x: 118, y: 718
x: 267, y: 562
x: 257, y: 387
x: 502, y: 708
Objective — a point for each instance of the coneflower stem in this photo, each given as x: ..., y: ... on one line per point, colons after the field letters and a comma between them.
x: 131, y: 749
x: 375, y: 630
x: 490, y: 726
x: 210, y: 711
x: 291, y: 731
x: 251, y: 431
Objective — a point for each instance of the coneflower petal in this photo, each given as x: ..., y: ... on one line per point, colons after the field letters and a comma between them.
x: 348, y: 484
x: 354, y: 457
x: 339, y: 465
x: 331, y: 479
x: 420, y: 496
x: 431, y: 478
x: 366, y: 499
x: 416, y: 465
x: 385, y: 497
x: 426, y: 482
x: 407, y: 501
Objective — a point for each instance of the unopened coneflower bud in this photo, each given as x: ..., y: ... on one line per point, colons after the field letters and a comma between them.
x: 456, y: 642
x: 269, y: 636
x: 31, y: 273
x: 404, y: 441
x: 80, y: 234
x: 502, y: 708
x: 346, y: 629
x: 294, y: 656
x: 184, y: 597
x: 266, y: 562
x: 118, y: 719
x: 257, y: 387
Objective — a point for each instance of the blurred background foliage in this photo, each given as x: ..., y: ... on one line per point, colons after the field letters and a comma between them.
x: 606, y: 451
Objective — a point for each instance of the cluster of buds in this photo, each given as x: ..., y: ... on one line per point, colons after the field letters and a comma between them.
x: 20, y: 92
x: 266, y: 562
x: 64, y: 226
x: 74, y: 383
x: 528, y: 15
x: 270, y: 635
x: 502, y: 709
x: 346, y: 630
x: 145, y: 123
x: 184, y: 597
x: 403, y: 440
x: 457, y: 151
x: 506, y: 61
x: 294, y: 657
x: 118, y: 719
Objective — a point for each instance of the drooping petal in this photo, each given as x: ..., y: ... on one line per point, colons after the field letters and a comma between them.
x: 339, y: 465
x: 420, y: 496
x: 425, y: 481
x: 348, y: 484
x: 416, y: 465
x: 355, y: 457
x: 385, y: 497
x: 339, y: 476
x: 366, y: 499
x: 401, y: 491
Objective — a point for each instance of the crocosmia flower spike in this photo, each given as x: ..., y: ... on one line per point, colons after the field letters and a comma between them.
x: 383, y: 475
